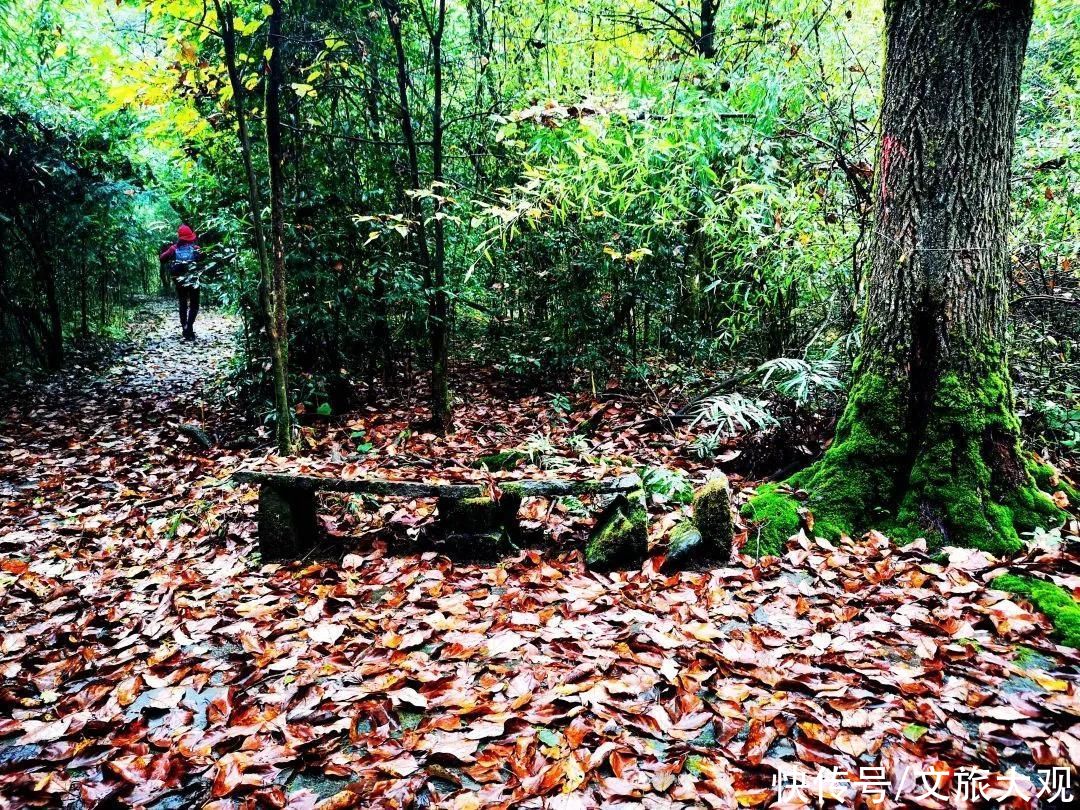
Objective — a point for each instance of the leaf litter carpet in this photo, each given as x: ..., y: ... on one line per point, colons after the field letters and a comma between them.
x: 148, y: 658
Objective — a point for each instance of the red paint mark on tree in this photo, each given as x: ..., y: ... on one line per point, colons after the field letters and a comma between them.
x: 891, y: 149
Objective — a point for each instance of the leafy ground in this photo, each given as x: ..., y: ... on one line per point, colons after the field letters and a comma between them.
x: 148, y: 658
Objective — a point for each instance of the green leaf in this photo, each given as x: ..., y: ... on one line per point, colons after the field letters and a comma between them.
x: 549, y: 737
x: 914, y: 732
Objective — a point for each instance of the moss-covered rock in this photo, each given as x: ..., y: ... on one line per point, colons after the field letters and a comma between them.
x: 503, y: 460
x: 712, y: 516
x: 621, y: 536
x: 684, y: 546
x: 1048, y: 479
x: 707, y: 536
x: 1050, y: 599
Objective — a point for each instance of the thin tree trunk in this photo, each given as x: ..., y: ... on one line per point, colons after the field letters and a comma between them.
x: 439, y: 313
x: 52, y: 326
x: 706, y: 44
x: 277, y: 312
x: 432, y: 267
x: 228, y: 38
x: 267, y: 279
x: 929, y: 443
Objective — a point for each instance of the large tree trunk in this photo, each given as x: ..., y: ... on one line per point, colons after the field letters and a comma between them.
x: 277, y: 313
x: 929, y: 445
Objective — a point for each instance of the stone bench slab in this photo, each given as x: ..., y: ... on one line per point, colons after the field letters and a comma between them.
x: 288, y: 525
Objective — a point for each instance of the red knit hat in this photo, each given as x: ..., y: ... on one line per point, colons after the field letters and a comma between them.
x: 185, y: 234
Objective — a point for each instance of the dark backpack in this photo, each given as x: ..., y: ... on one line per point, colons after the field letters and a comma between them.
x: 183, y: 258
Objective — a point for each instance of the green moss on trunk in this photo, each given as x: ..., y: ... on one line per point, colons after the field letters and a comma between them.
x: 1053, y: 600
x: 955, y: 475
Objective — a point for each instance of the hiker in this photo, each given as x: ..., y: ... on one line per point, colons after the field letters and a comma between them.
x: 185, y: 257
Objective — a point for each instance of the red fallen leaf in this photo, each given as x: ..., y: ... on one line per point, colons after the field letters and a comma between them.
x: 399, y: 766
x: 758, y: 740
x: 166, y: 698
x: 342, y: 800
x: 454, y: 746
x: 95, y: 792
x: 853, y: 745
x: 810, y: 750
x: 1003, y: 713
x: 620, y: 761
x: 614, y: 787
x: 325, y: 632
x: 36, y: 731
x: 12, y: 642
x: 485, y: 729
x: 229, y: 774
x: 272, y: 796
x: 14, y: 566
x: 132, y: 769
x: 1071, y: 743
x: 128, y: 690
x: 220, y: 707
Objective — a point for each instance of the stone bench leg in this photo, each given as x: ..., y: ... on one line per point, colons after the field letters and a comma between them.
x: 478, y: 529
x: 479, y: 514
x: 288, y: 526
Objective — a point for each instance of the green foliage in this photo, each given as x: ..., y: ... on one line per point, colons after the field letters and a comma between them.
x: 802, y: 380
x: 503, y: 460
x: 731, y: 414
x: 671, y: 484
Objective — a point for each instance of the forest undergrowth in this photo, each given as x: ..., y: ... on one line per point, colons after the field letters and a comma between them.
x: 148, y: 657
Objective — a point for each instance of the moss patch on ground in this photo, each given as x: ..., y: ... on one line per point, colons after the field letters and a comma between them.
x: 502, y: 461
x: 1050, y: 599
x: 777, y: 512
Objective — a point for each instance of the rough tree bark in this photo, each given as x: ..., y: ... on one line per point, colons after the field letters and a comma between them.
x: 277, y: 313
x: 929, y: 443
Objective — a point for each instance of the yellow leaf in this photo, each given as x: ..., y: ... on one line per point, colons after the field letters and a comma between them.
x: 1050, y: 684
x: 574, y: 775
x: 61, y: 49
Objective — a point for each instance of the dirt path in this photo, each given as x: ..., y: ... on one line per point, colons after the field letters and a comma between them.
x: 147, y: 658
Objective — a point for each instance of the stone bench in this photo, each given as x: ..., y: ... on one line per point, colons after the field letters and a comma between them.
x: 473, y: 522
